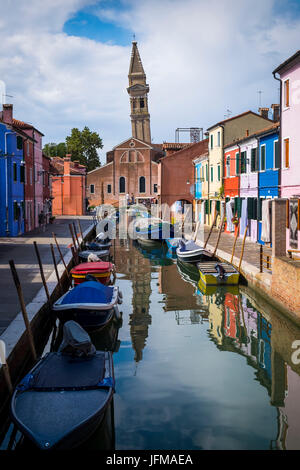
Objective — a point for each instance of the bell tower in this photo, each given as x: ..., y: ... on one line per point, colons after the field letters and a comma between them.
x: 138, y: 91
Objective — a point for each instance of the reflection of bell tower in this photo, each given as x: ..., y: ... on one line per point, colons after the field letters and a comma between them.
x: 138, y: 91
x: 140, y: 318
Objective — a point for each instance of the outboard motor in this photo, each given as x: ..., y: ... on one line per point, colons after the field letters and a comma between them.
x: 181, y: 245
x: 76, y: 341
x: 93, y: 258
x: 220, y: 270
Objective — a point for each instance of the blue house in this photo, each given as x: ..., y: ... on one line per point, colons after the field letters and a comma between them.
x: 198, y: 185
x: 12, y: 180
x: 269, y: 167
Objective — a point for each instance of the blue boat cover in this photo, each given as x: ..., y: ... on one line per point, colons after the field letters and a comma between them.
x: 89, y: 292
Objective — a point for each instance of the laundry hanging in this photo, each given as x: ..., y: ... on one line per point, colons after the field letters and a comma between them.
x: 266, y: 221
x: 229, y: 215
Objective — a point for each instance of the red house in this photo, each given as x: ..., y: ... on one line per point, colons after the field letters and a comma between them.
x: 231, y: 178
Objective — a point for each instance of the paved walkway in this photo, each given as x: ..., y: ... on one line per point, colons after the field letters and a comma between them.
x: 21, y: 250
x: 251, y: 249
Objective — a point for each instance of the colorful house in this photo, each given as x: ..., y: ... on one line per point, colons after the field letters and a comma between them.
x: 289, y: 76
x: 201, y: 186
x: 12, y: 177
x: 47, y: 201
x: 29, y: 185
x: 269, y: 167
x: 68, y: 187
x: 224, y: 133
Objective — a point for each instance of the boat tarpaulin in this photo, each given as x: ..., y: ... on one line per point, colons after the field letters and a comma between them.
x: 89, y: 292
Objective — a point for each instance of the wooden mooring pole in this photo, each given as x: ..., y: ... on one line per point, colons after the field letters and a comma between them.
x: 235, y: 240
x: 243, y: 247
x: 211, y: 229
x: 56, y: 270
x: 219, y: 234
x: 23, y: 307
x: 61, y: 256
x: 41, y: 270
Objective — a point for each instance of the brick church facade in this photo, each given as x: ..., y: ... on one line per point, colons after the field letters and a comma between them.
x: 132, y: 166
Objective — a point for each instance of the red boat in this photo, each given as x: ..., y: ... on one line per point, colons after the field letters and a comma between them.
x: 101, y: 270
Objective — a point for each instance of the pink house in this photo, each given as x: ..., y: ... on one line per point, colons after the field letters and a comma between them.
x: 38, y: 166
x: 289, y: 76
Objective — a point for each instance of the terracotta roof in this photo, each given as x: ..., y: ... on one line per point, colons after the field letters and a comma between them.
x: 265, y: 130
x: 175, y: 145
x: 288, y: 63
x: 203, y: 143
x: 24, y: 125
x: 57, y: 164
x: 236, y: 117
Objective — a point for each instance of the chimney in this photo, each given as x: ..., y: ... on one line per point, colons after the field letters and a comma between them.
x: 247, y: 132
x: 276, y: 112
x: 67, y: 165
x: 7, y: 114
x: 264, y: 112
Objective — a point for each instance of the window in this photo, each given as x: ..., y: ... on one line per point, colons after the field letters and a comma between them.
x: 211, y: 141
x: 92, y: 189
x: 22, y: 173
x: 15, y: 171
x: 228, y: 166
x: 237, y: 163
x: 286, y: 144
x: 243, y: 162
x: 219, y: 139
x: 211, y: 173
x: 30, y: 175
x: 254, y: 166
x: 142, y: 103
x: 19, y: 142
x: 16, y: 211
x: 262, y: 158
x: 109, y: 188
x: 122, y: 184
x: 276, y: 154
x: 287, y: 93
x: 219, y: 173
x: 155, y: 188
x: 142, y: 184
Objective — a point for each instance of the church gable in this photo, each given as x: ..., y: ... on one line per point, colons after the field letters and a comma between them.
x: 132, y: 143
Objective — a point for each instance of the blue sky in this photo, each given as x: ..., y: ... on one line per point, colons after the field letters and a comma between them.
x: 66, y: 64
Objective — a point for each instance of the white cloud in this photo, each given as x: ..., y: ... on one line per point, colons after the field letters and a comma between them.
x: 200, y: 59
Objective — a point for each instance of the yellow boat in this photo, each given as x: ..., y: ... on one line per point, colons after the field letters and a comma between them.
x: 214, y: 273
x: 205, y: 289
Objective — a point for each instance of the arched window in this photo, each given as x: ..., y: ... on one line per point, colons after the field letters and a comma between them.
x: 122, y: 185
x: 142, y: 185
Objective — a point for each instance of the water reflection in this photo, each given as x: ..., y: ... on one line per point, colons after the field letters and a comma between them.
x: 236, y: 321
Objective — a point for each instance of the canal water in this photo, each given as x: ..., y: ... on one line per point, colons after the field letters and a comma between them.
x: 197, y: 368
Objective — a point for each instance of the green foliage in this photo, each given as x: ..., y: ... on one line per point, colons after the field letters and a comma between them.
x: 55, y: 150
x: 83, y: 145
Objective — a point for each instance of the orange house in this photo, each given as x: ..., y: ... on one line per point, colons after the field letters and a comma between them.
x: 68, y: 187
x: 231, y: 173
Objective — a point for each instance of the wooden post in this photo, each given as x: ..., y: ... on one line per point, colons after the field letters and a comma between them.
x: 61, y: 256
x: 235, y: 240
x: 41, y: 270
x: 72, y: 235
x: 243, y: 246
x: 219, y: 234
x: 56, y: 271
x: 5, y: 367
x: 196, y: 231
x: 82, y: 240
x: 75, y: 255
x: 23, y: 307
x: 211, y: 229
x: 261, y: 259
x: 75, y: 232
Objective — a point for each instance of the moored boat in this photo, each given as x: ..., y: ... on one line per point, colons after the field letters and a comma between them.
x: 101, y: 270
x: 61, y: 402
x: 102, y: 255
x: 190, y: 252
x: 91, y: 304
x: 215, y: 273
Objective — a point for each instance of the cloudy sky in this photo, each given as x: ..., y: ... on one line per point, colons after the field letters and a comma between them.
x: 65, y: 62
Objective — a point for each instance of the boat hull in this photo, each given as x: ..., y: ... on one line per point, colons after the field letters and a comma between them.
x: 210, y: 276
x: 61, y: 419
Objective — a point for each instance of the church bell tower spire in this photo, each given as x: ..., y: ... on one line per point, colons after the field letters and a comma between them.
x: 138, y: 91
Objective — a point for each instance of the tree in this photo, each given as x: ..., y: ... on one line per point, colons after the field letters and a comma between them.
x: 83, y: 145
x: 55, y: 150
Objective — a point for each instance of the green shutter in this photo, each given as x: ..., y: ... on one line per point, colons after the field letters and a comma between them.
x: 237, y: 164
x: 219, y: 173
x: 211, y: 174
x: 218, y: 206
x: 253, y: 160
x: 243, y: 162
x: 206, y: 206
